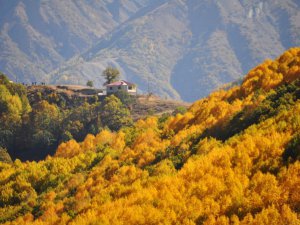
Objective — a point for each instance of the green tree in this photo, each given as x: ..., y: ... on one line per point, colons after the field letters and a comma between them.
x: 126, y: 98
x: 114, y: 114
x: 4, y: 95
x: 10, y: 117
x: 45, y: 121
x: 90, y: 83
x: 110, y: 74
x: 81, y: 121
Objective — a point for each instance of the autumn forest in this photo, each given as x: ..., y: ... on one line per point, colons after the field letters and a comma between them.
x: 232, y: 158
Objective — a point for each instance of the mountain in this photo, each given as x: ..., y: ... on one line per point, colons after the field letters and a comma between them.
x: 232, y: 158
x: 37, y: 36
x: 174, y: 48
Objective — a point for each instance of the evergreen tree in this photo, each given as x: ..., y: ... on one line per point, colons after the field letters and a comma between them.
x: 114, y: 113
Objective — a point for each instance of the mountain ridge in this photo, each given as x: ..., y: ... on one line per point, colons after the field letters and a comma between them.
x: 181, y: 49
x: 62, y: 29
x: 221, y: 53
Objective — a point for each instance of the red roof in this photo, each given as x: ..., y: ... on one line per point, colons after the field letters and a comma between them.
x: 119, y: 83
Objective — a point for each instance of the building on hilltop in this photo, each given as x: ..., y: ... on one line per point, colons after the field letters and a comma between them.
x: 121, y: 85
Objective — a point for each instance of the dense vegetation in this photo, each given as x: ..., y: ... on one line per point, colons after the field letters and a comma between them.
x: 232, y: 158
x: 33, y: 126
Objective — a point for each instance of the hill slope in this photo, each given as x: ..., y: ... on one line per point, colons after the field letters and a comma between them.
x: 183, y: 49
x: 233, y: 158
x: 34, y: 120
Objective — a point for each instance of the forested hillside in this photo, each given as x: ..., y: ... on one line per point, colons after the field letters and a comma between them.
x: 33, y: 123
x: 35, y: 119
x: 232, y: 158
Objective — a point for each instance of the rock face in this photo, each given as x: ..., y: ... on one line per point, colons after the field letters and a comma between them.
x: 174, y: 48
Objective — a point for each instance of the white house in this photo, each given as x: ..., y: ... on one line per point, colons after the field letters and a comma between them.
x: 121, y: 85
